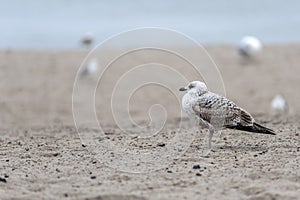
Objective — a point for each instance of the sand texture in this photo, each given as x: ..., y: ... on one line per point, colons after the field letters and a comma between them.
x: 42, y: 156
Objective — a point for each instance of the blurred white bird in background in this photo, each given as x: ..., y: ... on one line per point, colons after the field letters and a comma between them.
x: 87, y: 40
x: 279, y: 105
x: 90, y: 67
x: 249, y: 45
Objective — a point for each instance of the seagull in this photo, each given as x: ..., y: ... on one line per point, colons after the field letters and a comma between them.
x: 279, y: 104
x: 249, y: 45
x: 87, y: 40
x: 216, y: 112
x: 90, y: 68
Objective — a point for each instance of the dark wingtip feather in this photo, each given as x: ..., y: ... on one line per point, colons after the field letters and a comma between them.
x: 256, y: 128
x: 261, y: 129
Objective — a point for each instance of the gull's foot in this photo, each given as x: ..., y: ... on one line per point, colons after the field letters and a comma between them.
x: 206, y: 155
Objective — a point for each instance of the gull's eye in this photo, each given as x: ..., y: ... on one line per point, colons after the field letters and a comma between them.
x: 191, y: 86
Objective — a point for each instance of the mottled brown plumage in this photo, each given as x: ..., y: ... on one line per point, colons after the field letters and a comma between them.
x: 216, y: 112
x: 223, y: 113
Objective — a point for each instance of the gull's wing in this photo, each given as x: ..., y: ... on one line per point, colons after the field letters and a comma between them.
x: 221, y: 112
x: 216, y: 109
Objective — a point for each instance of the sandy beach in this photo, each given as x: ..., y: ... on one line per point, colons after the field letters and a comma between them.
x: 42, y: 156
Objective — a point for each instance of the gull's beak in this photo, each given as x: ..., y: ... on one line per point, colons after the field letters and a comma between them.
x: 183, y: 89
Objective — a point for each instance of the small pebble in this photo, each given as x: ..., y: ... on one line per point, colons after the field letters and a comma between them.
x: 196, y: 167
x: 169, y: 171
x: 54, y: 154
x: 198, y: 174
x: 93, y: 177
x: 83, y: 145
x: 2, y: 180
x: 161, y: 144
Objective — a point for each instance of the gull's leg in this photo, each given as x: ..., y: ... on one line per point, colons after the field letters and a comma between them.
x: 211, y: 133
x: 211, y: 129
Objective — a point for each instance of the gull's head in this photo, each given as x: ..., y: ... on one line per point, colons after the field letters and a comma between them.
x: 197, y: 87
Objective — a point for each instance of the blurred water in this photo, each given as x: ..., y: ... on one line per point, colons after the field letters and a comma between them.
x: 61, y: 23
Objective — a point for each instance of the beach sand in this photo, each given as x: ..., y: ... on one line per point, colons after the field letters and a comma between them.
x: 42, y: 156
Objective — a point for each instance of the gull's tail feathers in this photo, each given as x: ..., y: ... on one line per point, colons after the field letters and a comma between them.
x: 256, y: 128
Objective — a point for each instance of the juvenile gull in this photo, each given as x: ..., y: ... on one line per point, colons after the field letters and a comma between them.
x: 215, y: 112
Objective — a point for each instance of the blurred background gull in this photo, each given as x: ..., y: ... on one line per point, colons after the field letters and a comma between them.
x: 249, y: 46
